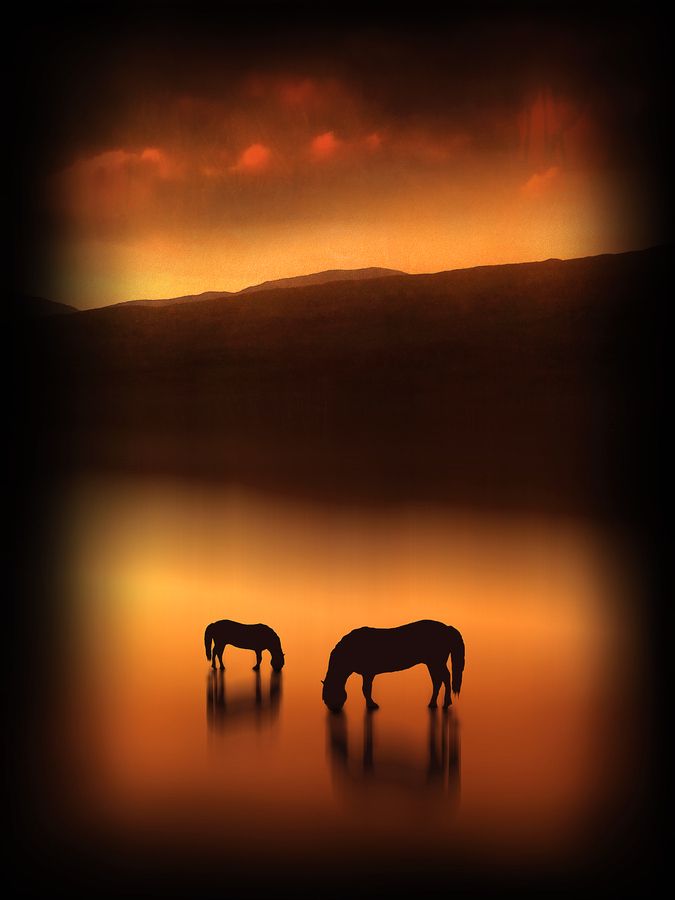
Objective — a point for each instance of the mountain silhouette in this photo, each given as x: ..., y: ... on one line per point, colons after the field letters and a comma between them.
x: 329, y: 275
x: 25, y: 305
x: 523, y: 385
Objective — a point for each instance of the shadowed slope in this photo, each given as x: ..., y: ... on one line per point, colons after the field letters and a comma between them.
x: 520, y: 384
x: 297, y: 281
x: 24, y: 305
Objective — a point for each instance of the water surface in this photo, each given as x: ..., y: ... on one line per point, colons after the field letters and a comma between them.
x: 159, y: 751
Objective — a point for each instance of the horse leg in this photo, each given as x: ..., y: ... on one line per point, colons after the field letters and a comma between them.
x: 258, y: 660
x: 447, y: 700
x: 436, y: 673
x: 368, y: 691
x: 218, y: 651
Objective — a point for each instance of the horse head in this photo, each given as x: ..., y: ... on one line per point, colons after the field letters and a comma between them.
x: 278, y: 660
x: 333, y: 694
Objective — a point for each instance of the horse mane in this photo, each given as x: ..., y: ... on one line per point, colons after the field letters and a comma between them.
x: 343, y: 645
x: 344, y: 640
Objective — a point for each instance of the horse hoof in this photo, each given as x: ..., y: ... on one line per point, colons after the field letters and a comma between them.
x: 256, y: 668
x: 372, y: 706
x: 433, y: 705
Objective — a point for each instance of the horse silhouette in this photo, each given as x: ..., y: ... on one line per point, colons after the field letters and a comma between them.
x: 371, y: 651
x: 247, y: 637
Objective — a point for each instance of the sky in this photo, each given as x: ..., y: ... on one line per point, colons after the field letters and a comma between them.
x: 166, y: 156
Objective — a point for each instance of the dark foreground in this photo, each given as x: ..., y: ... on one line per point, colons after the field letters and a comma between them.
x: 513, y: 390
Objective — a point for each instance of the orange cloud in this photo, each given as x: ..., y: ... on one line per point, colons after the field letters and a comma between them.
x: 116, y: 182
x: 553, y: 129
x: 255, y: 158
x: 304, y: 94
x: 112, y: 163
x: 165, y: 165
x: 428, y: 148
x: 324, y: 146
x: 541, y: 182
x: 299, y: 92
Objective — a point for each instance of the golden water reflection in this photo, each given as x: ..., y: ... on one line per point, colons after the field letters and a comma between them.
x: 225, y: 710
x: 399, y: 771
x: 546, y: 608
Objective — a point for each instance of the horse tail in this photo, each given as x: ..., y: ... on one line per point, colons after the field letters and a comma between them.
x: 457, y: 656
x: 208, y: 640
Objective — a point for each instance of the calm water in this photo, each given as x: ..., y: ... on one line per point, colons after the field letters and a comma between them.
x: 157, y: 750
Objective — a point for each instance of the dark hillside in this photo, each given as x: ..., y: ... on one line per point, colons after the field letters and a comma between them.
x: 520, y: 385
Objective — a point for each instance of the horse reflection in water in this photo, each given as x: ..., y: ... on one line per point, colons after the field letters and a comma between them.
x: 226, y: 708
x: 404, y: 775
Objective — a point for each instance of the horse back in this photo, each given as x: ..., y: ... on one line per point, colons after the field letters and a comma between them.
x: 372, y: 650
x: 248, y: 637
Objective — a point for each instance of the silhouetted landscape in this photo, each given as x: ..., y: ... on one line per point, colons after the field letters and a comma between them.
x: 330, y: 275
x: 237, y: 401
x: 24, y: 306
x: 518, y: 388
x: 519, y: 385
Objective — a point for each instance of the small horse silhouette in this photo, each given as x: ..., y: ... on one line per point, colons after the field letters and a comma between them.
x: 371, y: 651
x: 248, y: 637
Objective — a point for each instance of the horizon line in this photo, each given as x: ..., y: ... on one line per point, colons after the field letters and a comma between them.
x: 394, y: 273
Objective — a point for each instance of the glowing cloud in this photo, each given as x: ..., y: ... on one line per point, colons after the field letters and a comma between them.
x: 298, y: 93
x: 281, y: 163
x: 115, y: 183
x: 255, y: 158
x: 541, y: 182
x: 165, y: 166
x: 324, y: 146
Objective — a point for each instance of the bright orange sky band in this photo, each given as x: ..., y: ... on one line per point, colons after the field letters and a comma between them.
x: 295, y: 174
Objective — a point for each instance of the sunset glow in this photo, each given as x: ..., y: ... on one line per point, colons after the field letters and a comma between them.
x: 336, y: 346
x: 305, y: 570
x: 264, y: 168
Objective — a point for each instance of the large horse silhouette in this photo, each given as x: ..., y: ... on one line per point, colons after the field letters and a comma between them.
x: 248, y: 637
x: 371, y: 651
